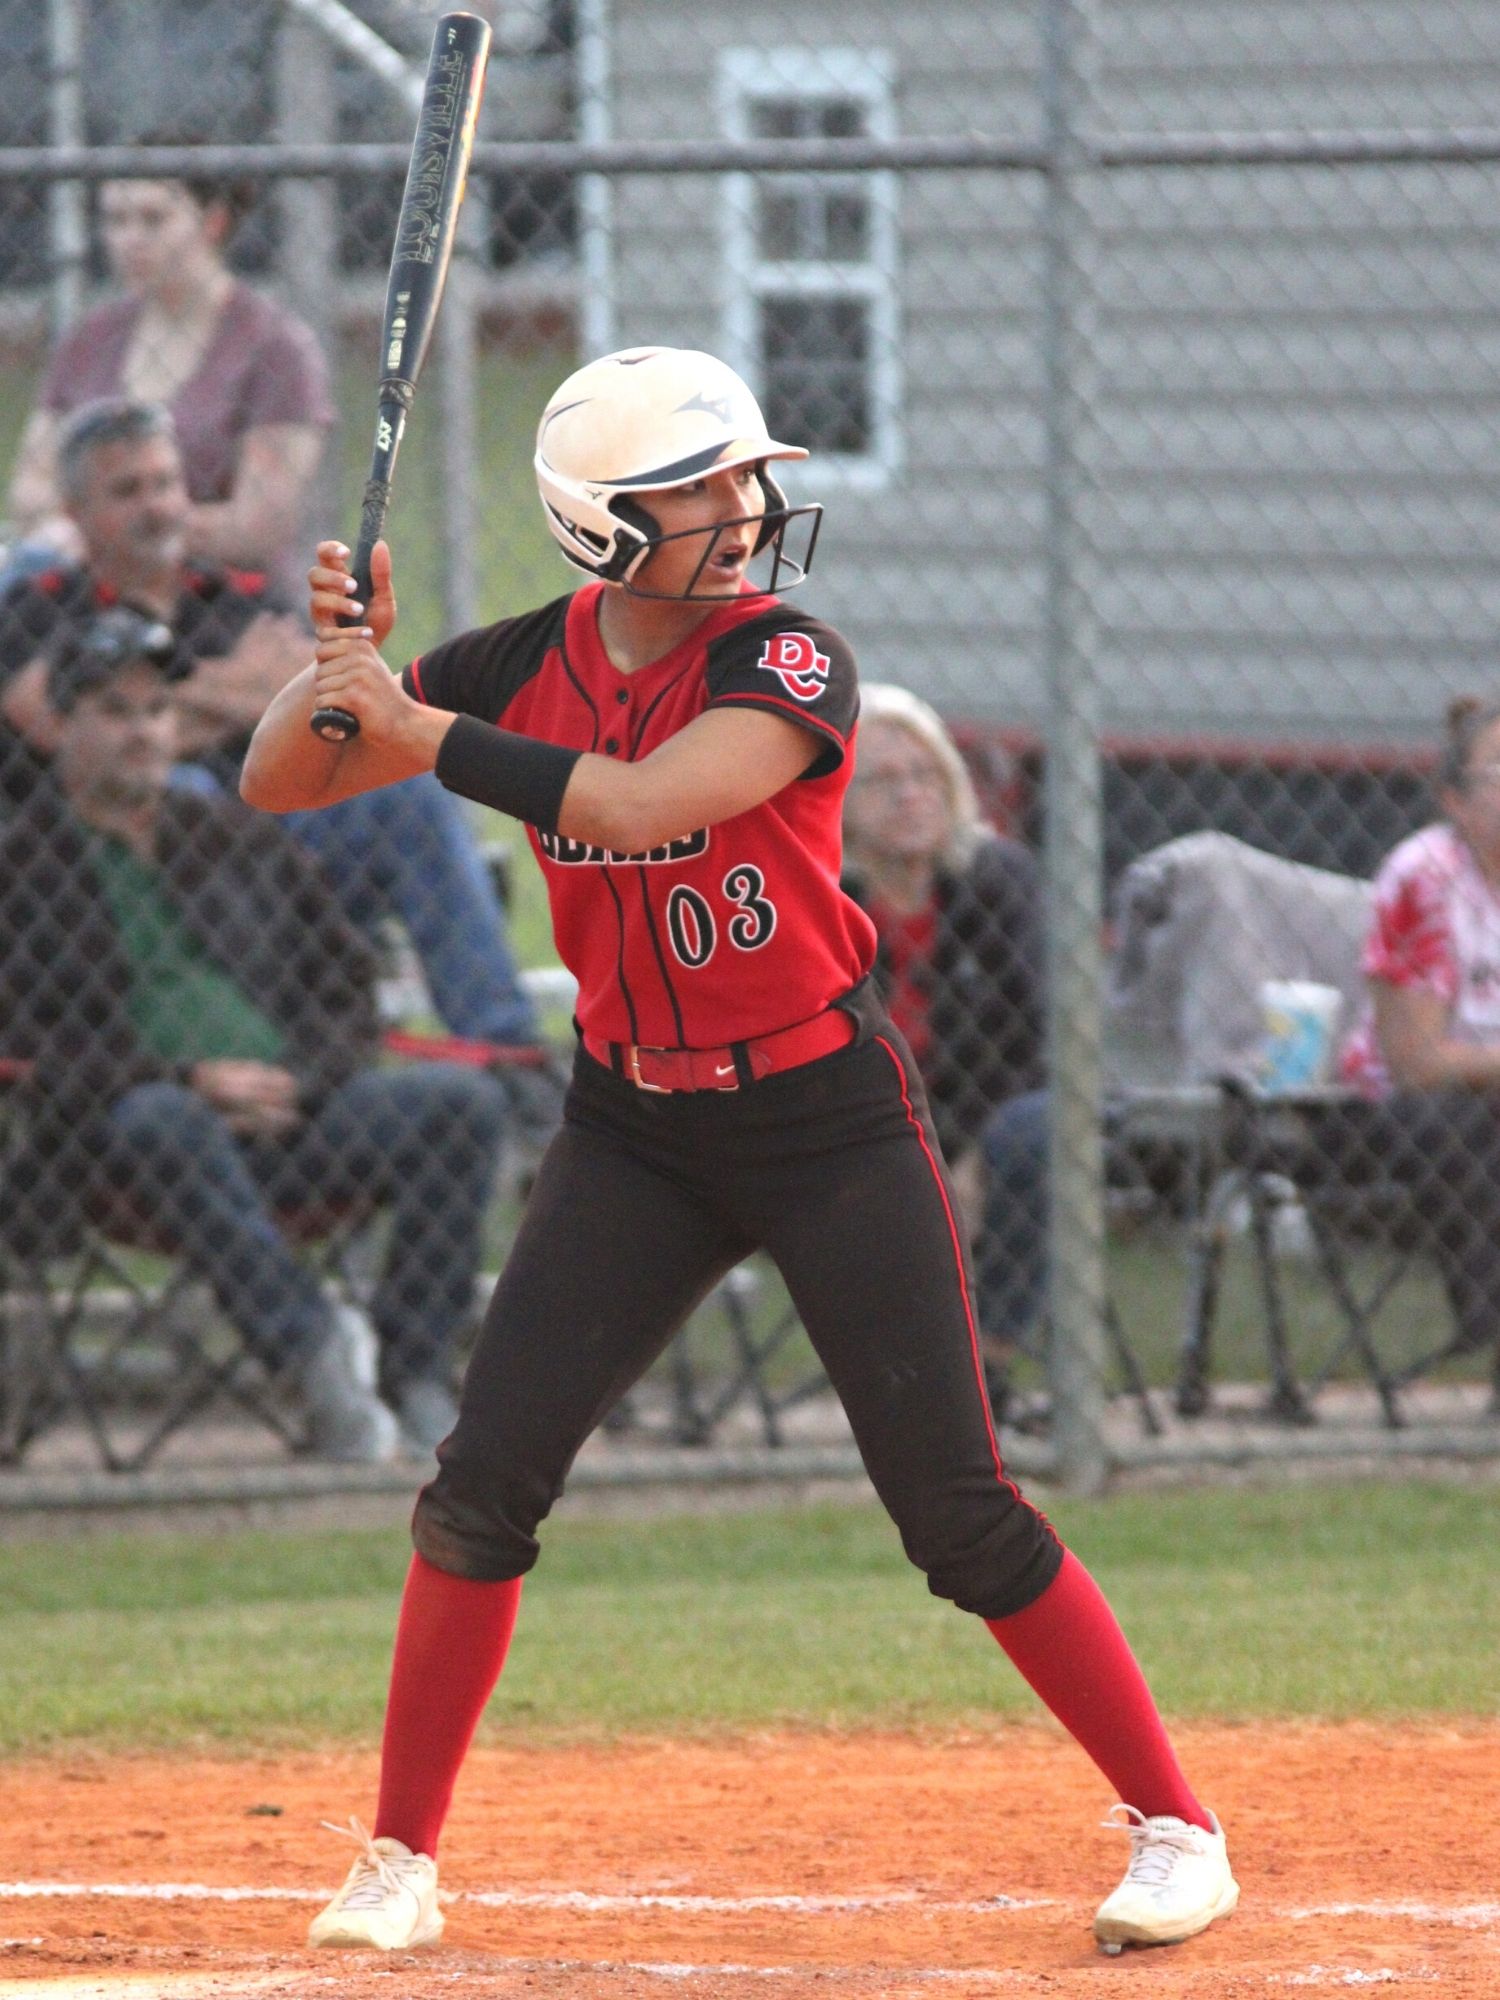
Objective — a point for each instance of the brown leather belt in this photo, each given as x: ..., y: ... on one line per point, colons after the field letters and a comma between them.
x: 726, y: 1068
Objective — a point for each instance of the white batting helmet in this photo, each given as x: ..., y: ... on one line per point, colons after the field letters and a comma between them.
x: 641, y: 421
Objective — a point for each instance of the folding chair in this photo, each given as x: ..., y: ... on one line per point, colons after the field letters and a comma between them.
x: 1201, y: 922
x: 1273, y: 1162
x: 85, y: 1333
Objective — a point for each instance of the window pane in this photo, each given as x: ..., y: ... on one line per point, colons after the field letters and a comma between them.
x: 815, y: 369
x: 777, y: 119
x: 846, y: 228
x: 807, y: 222
x: 780, y: 236
x: 808, y: 118
x: 841, y: 118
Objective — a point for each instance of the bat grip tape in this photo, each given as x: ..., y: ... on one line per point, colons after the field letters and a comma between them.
x: 498, y: 767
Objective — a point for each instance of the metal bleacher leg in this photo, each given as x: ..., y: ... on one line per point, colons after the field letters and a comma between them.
x: 1357, y: 1318
x: 1130, y: 1369
x: 1205, y: 1269
x: 737, y: 1291
x: 1287, y: 1399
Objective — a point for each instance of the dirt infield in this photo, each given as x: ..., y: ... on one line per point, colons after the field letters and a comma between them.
x: 783, y: 1867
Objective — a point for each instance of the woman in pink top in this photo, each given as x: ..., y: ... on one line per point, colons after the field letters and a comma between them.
x: 1426, y: 1054
x: 245, y: 381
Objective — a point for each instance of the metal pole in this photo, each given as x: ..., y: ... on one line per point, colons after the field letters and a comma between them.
x: 346, y: 31
x: 66, y: 204
x: 1074, y: 818
x: 308, y: 250
x: 595, y: 195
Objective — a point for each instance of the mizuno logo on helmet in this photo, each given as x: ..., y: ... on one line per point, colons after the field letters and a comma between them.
x: 711, y: 406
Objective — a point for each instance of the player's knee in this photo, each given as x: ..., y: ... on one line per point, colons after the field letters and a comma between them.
x: 993, y: 1559
x: 479, y: 1526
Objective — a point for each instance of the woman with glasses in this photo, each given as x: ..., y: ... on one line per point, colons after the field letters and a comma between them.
x: 957, y: 916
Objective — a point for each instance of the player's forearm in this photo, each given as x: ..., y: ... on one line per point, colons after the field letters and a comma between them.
x: 289, y: 768
x: 625, y: 807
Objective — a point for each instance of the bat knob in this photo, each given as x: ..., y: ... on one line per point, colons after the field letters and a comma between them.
x: 335, y: 725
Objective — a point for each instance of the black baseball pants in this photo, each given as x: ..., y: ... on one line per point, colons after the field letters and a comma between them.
x: 641, y: 1205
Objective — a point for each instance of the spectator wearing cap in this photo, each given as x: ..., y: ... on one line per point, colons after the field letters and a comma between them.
x: 200, y: 1020
x: 407, y: 852
x: 84, y: 655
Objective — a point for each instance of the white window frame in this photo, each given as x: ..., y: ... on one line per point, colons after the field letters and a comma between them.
x: 745, y: 78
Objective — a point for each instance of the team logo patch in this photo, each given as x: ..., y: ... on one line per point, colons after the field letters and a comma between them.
x: 797, y: 664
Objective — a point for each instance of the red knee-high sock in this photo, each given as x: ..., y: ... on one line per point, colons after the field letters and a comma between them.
x: 1070, y: 1648
x: 450, y: 1647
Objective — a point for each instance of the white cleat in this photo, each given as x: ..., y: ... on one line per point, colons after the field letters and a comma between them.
x: 389, y: 1901
x: 1177, y: 1882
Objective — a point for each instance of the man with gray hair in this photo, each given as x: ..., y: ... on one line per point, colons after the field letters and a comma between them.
x: 408, y: 853
x: 121, y: 475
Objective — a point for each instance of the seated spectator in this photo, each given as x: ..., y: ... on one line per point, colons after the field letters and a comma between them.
x: 407, y: 851
x: 245, y: 381
x: 201, y: 1020
x: 959, y: 959
x: 1426, y: 1053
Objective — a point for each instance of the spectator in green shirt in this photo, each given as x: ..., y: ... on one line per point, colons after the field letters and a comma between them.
x: 200, y: 1018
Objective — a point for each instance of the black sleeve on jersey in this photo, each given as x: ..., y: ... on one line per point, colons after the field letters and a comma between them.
x: 481, y: 672
x: 792, y: 665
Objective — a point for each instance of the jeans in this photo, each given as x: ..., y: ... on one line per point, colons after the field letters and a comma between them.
x: 1012, y: 1257
x: 408, y: 851
x: 424, y: 1139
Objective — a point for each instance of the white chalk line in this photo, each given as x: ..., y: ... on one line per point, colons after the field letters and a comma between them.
x: 1331, y: 1975
x: 522, y: 1899
x: 1463, y: 1916
x: 830, y: 1977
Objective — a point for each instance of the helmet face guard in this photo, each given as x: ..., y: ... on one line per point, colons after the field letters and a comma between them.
x: 786, y: 567
x: 646, y: 420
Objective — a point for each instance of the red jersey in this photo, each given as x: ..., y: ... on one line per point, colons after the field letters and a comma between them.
x: 729, y: 931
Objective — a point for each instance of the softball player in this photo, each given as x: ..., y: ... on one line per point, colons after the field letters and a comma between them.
x: 678, y: 742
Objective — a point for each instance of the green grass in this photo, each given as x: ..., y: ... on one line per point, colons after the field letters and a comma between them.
x: 1357, y: 1601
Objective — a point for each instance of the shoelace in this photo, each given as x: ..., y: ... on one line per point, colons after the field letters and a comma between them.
x: 378, y: 1875
x: 1154, y: 1850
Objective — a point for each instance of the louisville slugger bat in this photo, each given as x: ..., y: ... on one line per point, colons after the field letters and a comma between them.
x: 425, y: 231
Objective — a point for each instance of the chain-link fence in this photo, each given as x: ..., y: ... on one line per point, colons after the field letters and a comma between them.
x: 1150, y: 361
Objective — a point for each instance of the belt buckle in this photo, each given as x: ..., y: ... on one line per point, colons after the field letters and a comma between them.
x: 633, y: 1069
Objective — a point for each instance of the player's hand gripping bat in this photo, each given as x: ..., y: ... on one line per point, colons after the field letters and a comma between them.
x: 419, y: 264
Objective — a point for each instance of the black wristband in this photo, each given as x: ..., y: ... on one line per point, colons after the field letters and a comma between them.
x: 497, y: 767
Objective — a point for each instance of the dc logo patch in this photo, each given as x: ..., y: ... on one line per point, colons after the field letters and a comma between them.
x: 797, y: 664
